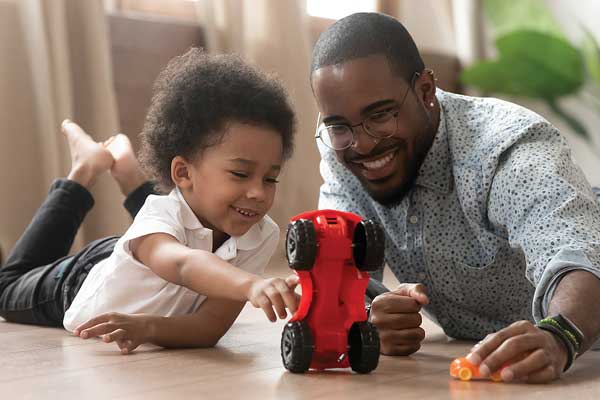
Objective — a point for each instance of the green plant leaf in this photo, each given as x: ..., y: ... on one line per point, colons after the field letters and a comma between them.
x: 507, y: 16
x: 591, y: 55
x: 532, y: 64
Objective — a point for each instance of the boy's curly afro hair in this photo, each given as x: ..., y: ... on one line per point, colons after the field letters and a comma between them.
x: 196, y: 96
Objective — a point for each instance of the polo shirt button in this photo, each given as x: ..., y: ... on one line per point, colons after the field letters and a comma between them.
x: 422, y: 276
x: 414, y: 219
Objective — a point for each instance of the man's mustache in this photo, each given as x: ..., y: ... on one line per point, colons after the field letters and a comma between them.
x: 378, y: 150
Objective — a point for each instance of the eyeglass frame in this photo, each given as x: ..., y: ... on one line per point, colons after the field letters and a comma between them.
x: 351, y: 127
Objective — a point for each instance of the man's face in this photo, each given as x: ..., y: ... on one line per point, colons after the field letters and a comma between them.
x: 347, y: 93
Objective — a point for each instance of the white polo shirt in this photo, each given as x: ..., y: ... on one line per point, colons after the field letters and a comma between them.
x: 122, y: 284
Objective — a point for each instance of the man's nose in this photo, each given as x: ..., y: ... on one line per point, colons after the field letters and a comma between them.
x: 363, y: 142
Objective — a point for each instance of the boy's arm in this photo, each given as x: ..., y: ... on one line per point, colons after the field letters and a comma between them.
x: 207, y: 274
x: 204, y: 328
x: 198, y: 270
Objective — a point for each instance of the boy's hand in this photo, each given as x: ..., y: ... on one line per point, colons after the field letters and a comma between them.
x: 396, y: 316
x: 274, y: 293
x: 128, y: 331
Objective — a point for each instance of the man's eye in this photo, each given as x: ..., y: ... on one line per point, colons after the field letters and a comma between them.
x: 238, y: 174
x: 380, y: 116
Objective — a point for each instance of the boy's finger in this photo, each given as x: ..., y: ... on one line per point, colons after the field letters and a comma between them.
x: 114, y: 336
x: 266, y: 306
x: 92, y: 322
x: 288, y: 295
x: 292, y: 281
x: 129, y: 346
x: 277, y: 301
x: 98, y: 330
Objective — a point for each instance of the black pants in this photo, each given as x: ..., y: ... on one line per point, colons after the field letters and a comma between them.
x: 39, y: 280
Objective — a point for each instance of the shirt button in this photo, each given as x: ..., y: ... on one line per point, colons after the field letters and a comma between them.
x: 422, y: 276
x: 414, y: 219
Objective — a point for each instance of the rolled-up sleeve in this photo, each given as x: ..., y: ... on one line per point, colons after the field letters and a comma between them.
x: 545, y: 204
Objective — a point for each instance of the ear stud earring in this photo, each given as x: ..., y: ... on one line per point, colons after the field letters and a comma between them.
x: 431, y: 104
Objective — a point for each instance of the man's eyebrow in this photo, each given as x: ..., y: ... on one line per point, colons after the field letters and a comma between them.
x: 245, y: 161
x: 377, y: 104
x: 366, y: 110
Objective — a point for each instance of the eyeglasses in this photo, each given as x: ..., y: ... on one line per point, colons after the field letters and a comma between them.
x: 379, y: 125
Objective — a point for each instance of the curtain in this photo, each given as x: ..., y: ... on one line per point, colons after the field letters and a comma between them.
x: 55, y: 64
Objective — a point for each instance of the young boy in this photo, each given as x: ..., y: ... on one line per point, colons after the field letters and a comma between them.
x: 216, y: 137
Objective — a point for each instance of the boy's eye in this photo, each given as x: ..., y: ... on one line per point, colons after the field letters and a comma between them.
x: 239, y: 174
x: 272, y: 180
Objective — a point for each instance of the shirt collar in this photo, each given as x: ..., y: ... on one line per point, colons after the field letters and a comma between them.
x: 436, y: 170
x: 255, y: 236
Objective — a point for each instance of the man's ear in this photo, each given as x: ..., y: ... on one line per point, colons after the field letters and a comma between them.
x: 425, y: 87
x: 181, y: 172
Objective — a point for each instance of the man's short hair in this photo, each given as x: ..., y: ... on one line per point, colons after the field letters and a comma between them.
x: 364, y: 34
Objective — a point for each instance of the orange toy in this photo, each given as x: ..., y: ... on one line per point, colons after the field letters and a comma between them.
x: 463, y: 369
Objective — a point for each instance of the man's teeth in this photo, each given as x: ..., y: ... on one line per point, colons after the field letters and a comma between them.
x: 378, y: 163
x: 246, y: 213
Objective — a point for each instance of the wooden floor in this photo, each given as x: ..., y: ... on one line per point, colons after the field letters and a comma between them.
x: 49, y: 363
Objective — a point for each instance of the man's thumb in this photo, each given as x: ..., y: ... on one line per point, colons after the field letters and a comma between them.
x: 417, y: 291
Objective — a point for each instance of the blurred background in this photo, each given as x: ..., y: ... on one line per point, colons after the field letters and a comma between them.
x: 95, y: 61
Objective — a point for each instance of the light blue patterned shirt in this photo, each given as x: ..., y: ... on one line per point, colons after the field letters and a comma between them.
x: 498, y: 214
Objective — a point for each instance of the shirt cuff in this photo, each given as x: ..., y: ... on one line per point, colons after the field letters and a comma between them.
x: 565, y: 261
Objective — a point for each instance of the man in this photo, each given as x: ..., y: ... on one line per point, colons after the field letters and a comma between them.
x: 479, y: 198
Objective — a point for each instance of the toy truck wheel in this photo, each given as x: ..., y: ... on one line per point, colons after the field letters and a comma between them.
x: 296, y: 346
x: 369, y: 246
x: 363, y: 341
x: 301, y: 244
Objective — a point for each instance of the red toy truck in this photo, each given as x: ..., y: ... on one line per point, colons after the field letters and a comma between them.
x: 332, y: 251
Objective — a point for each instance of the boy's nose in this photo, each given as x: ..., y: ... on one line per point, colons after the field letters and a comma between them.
x: 256, y: 192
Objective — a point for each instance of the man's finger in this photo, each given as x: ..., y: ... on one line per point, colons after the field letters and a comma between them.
x: 531, y: 364
x: 492, y: 341
x: 396, y: 321
x: 417, y: 291
x: 394, y: 303
x: 512, y: 349
x: 544, y: 375
x: 402, y: 337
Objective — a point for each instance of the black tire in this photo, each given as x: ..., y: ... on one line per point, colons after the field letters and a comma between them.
x: 301, y: 244
x: 296, y: 347
x: 369, y: 246
x: 363, y: 343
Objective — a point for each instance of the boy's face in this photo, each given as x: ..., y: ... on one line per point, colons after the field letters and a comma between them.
x: 234, y: 182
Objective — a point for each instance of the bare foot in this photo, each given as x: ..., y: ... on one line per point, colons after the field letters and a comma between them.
x: 88, y: 158
x: 126, y: 170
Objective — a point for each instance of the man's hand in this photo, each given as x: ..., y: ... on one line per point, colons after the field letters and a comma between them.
x: 127, y: 330
x: 532, y: 354
x: 274, y: 293
x: 396, y: 316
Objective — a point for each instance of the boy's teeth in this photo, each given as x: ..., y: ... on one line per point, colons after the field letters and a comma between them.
x: 246, y: 213
x: 378, y: 163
